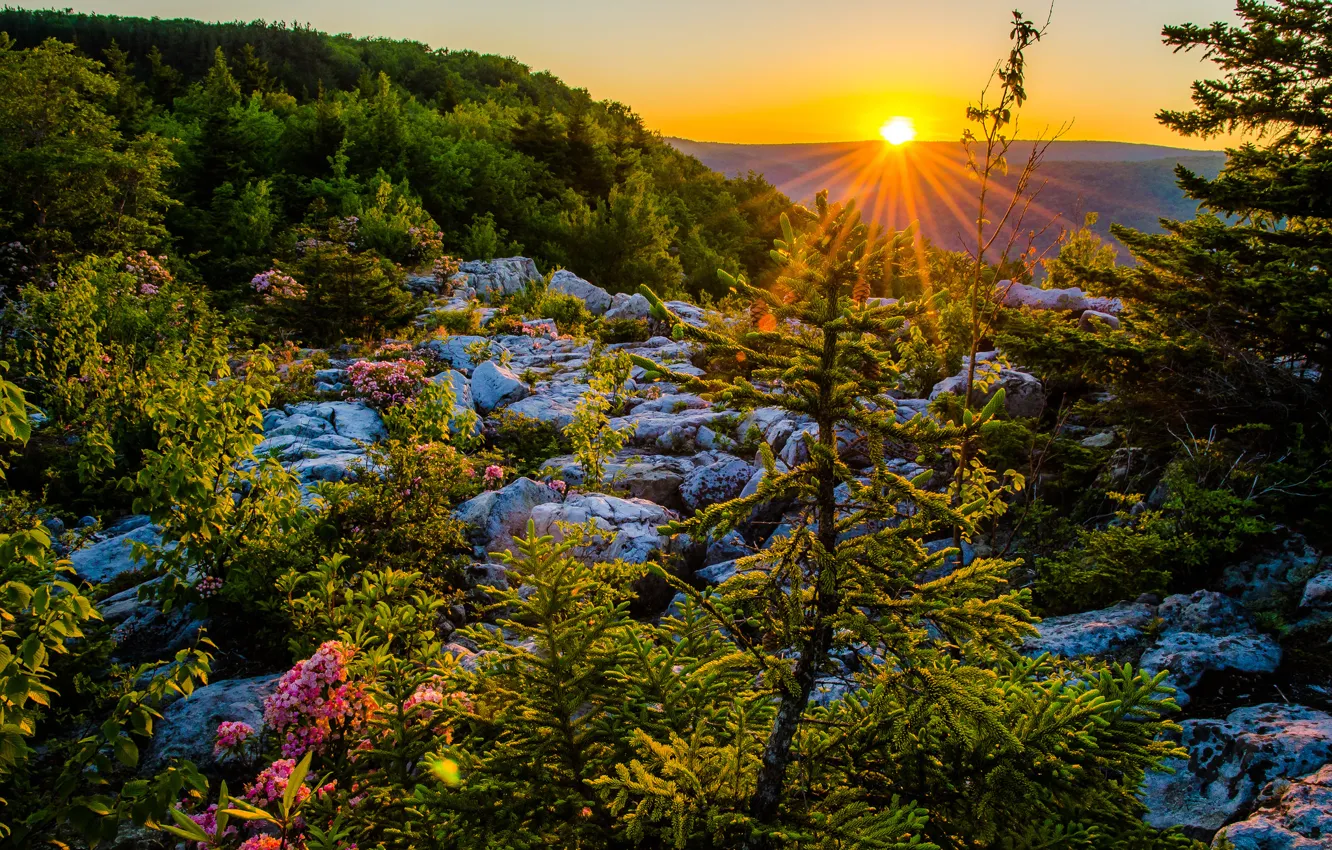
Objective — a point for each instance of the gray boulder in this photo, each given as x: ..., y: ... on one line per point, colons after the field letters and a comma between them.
x: 1206, y: 631
x: 1101, y: 634
x: 553, y: 403
x: 1275, y: 578
x: 351, y: 419
x: 1291, y: 816
x: 654, y: 478
x: 1073, y: 298
x: 1318, y: 592
x: 1230, y: 761
x: 1090, y: 320
x: 104, y: 561
x: 565, y: 282
x: 716, y: 482
x: 624, y: 306
x: 188, y: 727
x: 633, y: 523
x: 494, y: 386
x: 497, y: 516
x: 453, y: 351
x: 495, y: 278
x: 1023, y: 393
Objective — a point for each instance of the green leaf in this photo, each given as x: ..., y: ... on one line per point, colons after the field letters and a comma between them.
x: 127, y: 752
x: 294, y: 783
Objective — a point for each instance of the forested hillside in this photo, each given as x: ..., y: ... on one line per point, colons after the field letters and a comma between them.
x: 1130, y: 185
x: 401, y: 450
x: 243, y: 136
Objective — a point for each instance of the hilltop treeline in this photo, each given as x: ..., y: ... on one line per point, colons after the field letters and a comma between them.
x: 246, y: 133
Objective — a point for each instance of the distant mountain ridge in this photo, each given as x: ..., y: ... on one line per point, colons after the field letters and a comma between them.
x: 1130, y: 184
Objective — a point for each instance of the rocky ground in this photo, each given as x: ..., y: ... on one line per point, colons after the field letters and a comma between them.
x: 1257, y: 772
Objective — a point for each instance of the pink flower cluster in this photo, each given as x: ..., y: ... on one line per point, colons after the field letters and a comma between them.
x: 207, y: 821
x: 312, y: 697
x: 271, y: 783
x: 231, y: 735
x: 557, y: 485
x: 208, y: 586
x: 263, y: 842
x: 425, y: 242
x: 384, y: 383
x: 273, y: 285
x: 493, y: 475
x: 445, y: 268
x: 149, y: 271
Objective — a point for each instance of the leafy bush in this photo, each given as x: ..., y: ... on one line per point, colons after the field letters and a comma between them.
x: 525, y: 442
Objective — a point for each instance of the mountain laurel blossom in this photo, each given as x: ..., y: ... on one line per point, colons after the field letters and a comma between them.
x: 231, y: 735
x: 273, y: 285
x: 149, y: 271
x: 384, y: 383
x: 312, y: 698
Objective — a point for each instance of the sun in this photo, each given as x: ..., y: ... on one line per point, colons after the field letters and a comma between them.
x: 898, y: 130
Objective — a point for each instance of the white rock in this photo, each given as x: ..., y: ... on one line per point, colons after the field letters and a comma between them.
x: 625, y: 306
x: 1093, y: 633
x: 1230, y: 761
x: 1023, y: 393
x: 497, y: 516
x: 495, y: 278
x: 1292, y: 816
x: 108, y: 559
x: 189, y: 726
x: 717, y: 482
x: 1073, y: 298
x: 453, y: 351
x: 1090, y: 320
x: 1318, y: 592
x: 565, y: 282
x: 634, y: 522
x: 494, y: 386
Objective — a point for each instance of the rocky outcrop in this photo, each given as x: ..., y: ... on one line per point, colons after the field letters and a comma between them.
x: 1291, y: 816
x: 494, y: 386
x: 1230, y: 761
x: 716, y: 482
x: 495, y: 278
x: 1101, y: 634
x: 1207, y: 631
x: 632, y: 522
x: 652, y: 477
x: 497, y: 516
x: 322, y: 441
x: 453, y: 351
x: 1023, y: 393
x: 630, y: 307
x: 113, y: 556
x: 1188, y: 635
x: 188, y: 726
x: 1073, y: 298
x: 597, y: 300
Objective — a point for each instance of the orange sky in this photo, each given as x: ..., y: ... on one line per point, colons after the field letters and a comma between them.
x: 788, y: 71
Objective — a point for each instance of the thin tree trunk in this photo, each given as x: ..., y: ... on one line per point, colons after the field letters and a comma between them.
x: 777, y: 752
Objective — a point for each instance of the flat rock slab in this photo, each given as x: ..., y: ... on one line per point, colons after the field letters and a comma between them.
x: 1230, y: 761
x: 104, y: 561
x: 189, y: 726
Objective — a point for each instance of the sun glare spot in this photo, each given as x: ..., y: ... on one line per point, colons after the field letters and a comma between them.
x: 898, y: 130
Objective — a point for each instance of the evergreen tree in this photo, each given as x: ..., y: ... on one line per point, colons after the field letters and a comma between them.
x: 913, y: 650
x: 1250, y: 275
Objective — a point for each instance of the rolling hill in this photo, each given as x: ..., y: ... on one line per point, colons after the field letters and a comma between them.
x: 927, y: 182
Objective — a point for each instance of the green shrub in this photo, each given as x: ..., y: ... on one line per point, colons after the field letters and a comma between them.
x: 525, y: 443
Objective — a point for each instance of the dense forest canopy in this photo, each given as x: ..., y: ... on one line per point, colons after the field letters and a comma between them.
x: 261, y: 128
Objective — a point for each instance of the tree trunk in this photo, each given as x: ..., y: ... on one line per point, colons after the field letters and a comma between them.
x: 777, y: 752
